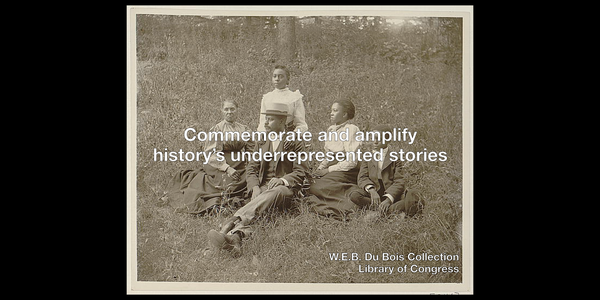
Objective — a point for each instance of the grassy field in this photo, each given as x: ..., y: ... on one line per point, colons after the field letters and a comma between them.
x: 181, y: 80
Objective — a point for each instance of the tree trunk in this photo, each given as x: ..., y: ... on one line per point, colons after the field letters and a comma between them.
x: 286, y: 39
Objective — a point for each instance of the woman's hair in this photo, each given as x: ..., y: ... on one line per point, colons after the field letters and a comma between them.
x: 230, y: 101
x: 285, y: 69
x: 348, y: 107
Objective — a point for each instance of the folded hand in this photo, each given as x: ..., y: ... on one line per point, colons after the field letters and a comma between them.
x: 274, y: 182
x: 233, y: 173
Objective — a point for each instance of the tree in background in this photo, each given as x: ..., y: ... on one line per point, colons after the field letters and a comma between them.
x: 286, y: 40
x: 313, y: 41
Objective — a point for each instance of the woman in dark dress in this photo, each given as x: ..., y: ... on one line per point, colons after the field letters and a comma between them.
x: 329, y: 193
x: 196, y: 191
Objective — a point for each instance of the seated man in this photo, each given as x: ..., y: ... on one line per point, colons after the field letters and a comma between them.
x: 383, y: 180
x: 273, y: 183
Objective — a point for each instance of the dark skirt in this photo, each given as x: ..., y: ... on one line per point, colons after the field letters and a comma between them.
x: 194, y: 191
x: 330, y: 193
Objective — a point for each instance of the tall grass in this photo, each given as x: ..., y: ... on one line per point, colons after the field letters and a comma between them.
x: 186, y: 66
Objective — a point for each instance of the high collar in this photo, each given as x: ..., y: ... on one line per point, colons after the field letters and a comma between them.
x: 337, y: 127
x: 286, y: 89
x: 224, y: 123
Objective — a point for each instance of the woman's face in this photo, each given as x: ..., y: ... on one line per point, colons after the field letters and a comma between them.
x: 280, y: 79
x: 338, y: 115
x: 229, y: 111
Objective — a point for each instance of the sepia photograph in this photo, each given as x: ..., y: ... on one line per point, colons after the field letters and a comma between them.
x: 299, y: 149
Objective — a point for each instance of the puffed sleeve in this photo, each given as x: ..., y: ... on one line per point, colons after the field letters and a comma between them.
x: 300, y: 113
x: 325, y: 163
x: 249, y: 145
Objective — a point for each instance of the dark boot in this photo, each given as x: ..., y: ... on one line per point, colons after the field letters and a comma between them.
x: 229, y: 224
x: 229, y: 242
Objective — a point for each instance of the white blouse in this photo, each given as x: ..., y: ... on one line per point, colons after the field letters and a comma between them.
x: 296, y: 111
x: 341, y: 146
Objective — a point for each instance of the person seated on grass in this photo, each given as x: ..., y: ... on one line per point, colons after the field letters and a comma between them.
x: 273, y: 183
x: 382, y: 185
x: 201, y: 190
x: 329, y: 193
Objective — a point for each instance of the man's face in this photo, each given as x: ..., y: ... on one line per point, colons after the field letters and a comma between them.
x: 274, y: 123
x: 377, y: 144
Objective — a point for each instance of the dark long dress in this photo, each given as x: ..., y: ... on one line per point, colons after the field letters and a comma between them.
x: 330, y: 193
x: 194, y: 191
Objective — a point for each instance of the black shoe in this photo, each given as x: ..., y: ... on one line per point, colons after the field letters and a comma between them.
x: 229, y: 224
x: 229, y: 242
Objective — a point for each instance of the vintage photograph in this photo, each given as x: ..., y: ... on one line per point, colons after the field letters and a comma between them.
x: 372, y: 185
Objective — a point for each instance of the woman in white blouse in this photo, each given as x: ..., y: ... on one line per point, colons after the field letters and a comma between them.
x: 296, y: 112
x: 330, y: 191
